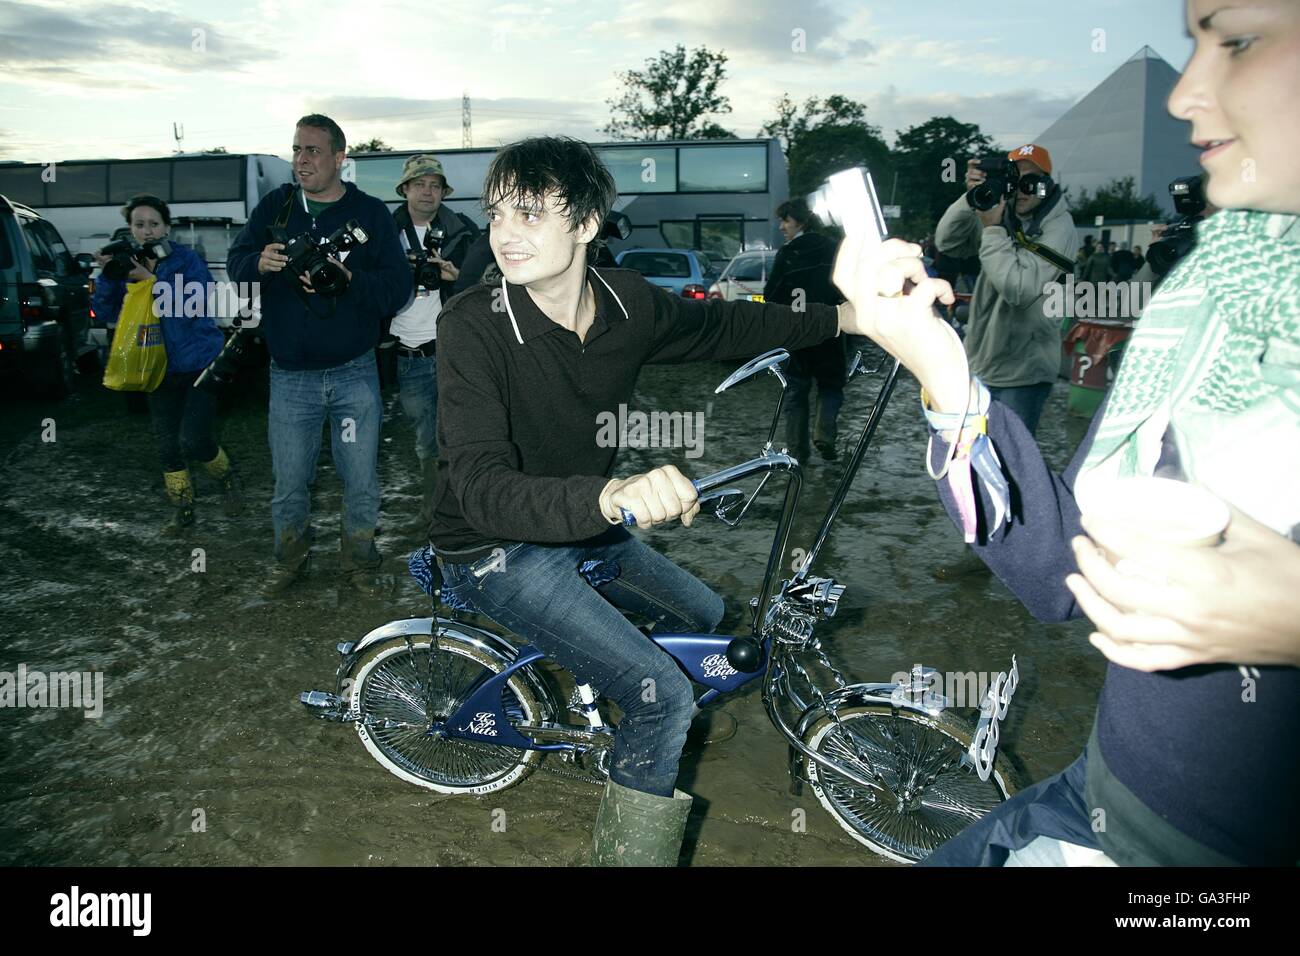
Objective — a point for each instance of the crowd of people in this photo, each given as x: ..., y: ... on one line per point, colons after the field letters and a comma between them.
x: 1182, y: 767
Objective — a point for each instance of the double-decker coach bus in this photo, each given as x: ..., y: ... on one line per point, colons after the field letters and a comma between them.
x: 717, y: 196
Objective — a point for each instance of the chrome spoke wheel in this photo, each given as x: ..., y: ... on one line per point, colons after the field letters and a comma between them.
x: 402, y: 697
x: 927, y: 797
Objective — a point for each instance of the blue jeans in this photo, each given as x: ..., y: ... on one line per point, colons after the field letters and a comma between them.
x: 300, y: 402
x: 539, y: 594
x: 417, y: 383
x: 1027, y: 401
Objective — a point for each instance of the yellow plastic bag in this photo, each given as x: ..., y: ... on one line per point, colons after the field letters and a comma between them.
x: 137, y: 360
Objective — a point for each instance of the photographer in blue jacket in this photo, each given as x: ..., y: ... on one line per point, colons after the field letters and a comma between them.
x: 183, y: 417
x: 330, y: 267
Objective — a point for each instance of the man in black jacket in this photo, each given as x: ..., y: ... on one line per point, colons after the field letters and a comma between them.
x: 322, y: 349
x: 436, y: 241
x: 528, y: 507
x: 801, y: 274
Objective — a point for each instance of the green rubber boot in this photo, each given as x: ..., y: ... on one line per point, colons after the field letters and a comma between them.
x: 639, y: 829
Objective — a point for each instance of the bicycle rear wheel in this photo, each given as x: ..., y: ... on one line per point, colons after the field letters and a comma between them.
x: 910, y: 819
x: 394, y: 689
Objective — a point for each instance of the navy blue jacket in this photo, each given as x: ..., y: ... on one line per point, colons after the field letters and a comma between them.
x: 321, y: 332
x: 192, y: 341
x: 1223, y: 772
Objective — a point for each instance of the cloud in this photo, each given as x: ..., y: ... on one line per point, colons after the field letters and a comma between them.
x: 772, y: 30
x: 958, y: 55
x: 65, y: 43
x: 1009, y: 118
x: 409, y: 123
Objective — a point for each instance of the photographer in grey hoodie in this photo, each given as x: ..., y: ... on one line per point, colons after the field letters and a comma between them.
x: 1013, y: 345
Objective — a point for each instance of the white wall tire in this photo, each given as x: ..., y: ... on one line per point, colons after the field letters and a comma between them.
x: 386, y: 682
x: 892, y: 738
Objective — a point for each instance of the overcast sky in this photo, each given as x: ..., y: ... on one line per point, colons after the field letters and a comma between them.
x: 81, y: 79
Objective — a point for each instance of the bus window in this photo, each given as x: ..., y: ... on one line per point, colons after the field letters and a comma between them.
x: 207, y: 180
x: 378, y: 176
x: 126, y: 180
x: 23, y: 184
x: 80, y: 184
x: 723, y: 169
x: 649, y: 170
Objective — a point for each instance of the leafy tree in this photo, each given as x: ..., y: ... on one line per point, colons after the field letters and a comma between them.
x: 836, y: 110
x: 931, y: 162
x: 1118, y: 199
x: 712, y: 130
x: 375, y: 145
x: 214, y: 150
x: 831, y: 147
x: 671, y: 97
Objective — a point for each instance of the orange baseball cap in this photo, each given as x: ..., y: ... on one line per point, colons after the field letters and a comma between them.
x: 1035, y: 154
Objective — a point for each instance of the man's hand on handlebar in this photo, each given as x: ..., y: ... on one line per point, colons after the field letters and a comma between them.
x: 653, y: 497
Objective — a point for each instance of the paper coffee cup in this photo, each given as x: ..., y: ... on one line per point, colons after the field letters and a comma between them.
x: 1160, y: 509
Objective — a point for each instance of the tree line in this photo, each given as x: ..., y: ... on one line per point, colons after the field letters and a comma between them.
x: 678, y: 94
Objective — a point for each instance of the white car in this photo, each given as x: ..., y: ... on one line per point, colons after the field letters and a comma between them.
x: 744, y: 277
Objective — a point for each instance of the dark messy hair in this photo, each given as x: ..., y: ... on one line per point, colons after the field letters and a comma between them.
x: 153, y: 202
x: 798, y: 211
x: 338, y: 142
x: 522, y: 173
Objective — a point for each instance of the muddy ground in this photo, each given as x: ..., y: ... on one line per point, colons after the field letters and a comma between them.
x: 201, y: 722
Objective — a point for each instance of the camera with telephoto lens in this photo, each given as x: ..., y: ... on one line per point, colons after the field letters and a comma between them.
x: 428, y: 274
x: 121, y: 252
x: 1001, y: 180
x: 1179, y: 237
x: 309, y: 257
x: 235, y: 355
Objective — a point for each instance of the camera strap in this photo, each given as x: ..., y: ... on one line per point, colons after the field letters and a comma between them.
x: 279, y: 225
x: 282, y: 218
x: 1044, y: 252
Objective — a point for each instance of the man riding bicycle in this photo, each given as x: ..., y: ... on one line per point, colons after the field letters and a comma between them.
x: 527, y: 500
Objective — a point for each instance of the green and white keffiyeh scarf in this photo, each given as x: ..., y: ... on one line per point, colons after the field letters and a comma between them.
x: 1217, y: 355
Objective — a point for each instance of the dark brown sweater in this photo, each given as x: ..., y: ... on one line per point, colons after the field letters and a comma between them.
x: 519, y: 398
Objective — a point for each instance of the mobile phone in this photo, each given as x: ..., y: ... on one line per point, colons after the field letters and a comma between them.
x: 848, y: 199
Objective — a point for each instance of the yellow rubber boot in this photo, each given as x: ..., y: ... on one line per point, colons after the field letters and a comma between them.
x: 180, y: 492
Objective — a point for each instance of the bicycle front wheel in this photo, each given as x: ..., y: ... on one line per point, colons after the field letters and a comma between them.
x: 927, y: 796
x: 398, y: 689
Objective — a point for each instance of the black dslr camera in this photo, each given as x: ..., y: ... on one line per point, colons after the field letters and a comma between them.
x: 1002, y: 180
x: 238, y: 353
x: 310, y: 257
x: 428, y: 274
x: 1180, y: 236
x: 121, y: 252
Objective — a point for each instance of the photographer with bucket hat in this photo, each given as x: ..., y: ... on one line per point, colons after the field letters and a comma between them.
x: 435, y: 241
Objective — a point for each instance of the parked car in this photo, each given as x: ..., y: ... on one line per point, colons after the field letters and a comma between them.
x: 44, y: 302
x: 684, y: 272
x: 745, y: 276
